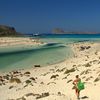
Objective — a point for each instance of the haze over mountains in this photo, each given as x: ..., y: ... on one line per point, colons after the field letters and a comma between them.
x: 61, y: 31
x: 11, y: 31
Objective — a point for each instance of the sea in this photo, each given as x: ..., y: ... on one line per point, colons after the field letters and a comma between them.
x: 56, y: 50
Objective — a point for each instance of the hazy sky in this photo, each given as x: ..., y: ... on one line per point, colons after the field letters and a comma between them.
x: 44, y: 15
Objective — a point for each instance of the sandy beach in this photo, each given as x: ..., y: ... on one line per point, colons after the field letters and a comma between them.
x: 13, y: 41
x: 54, y: 82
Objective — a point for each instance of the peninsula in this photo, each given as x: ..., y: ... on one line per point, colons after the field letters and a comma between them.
x: 61, y: 31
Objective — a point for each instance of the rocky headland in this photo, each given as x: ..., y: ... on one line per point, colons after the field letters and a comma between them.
x: 8, y: 31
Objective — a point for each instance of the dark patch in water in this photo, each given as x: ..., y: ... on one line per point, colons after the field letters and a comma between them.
x: 83, y: 41
x: 51, y: 44
x: 29, y: 51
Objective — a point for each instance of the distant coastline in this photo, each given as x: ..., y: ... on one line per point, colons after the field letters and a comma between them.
x: 61, y: 31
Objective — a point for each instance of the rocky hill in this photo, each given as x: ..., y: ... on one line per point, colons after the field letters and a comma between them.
x: 8, y: 31
x: 61, y: 31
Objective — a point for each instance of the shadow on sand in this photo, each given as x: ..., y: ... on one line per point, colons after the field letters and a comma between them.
x: 84, y: 97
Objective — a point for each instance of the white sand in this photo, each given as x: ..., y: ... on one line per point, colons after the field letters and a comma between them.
x: 85, y: 62
x: 11, y: 41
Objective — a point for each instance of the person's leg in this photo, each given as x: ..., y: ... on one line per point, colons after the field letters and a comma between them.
x: 77, y: 93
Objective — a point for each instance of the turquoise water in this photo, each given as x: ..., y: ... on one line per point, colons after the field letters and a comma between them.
x: 18, y: 57
x: 57, y: 50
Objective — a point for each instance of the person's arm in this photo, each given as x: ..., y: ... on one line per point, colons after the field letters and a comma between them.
x: 74, y: 82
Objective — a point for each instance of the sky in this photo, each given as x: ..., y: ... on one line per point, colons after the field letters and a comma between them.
x: 32, y: 16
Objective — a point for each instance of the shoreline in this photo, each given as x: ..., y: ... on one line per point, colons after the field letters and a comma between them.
x: 14, y: 48
x: 46, y: 83
x: 13, y: 41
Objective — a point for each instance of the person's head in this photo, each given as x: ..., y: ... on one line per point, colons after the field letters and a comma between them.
x: 77, y: 76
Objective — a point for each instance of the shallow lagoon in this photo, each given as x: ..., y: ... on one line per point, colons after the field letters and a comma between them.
x: 25, y: 57
x: 21, y: 57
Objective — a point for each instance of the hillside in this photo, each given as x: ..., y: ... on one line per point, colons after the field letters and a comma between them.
x: 8, y: 31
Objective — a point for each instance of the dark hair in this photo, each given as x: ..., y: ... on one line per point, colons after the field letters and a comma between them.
x: 77, y: 76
